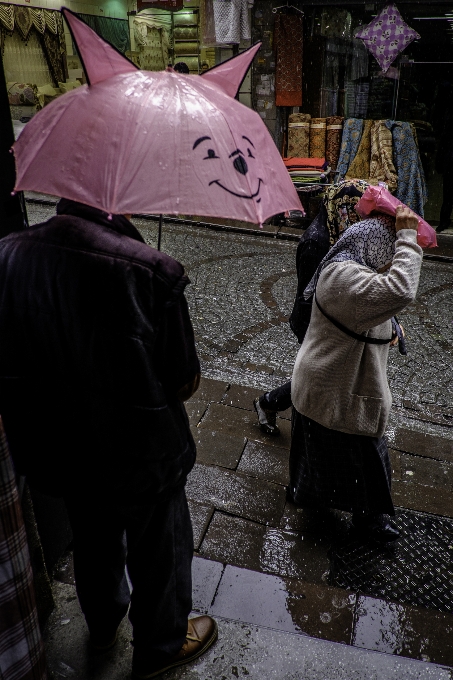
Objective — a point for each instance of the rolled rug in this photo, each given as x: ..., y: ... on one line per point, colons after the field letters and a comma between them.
x: 298, y: 135
x: 318, y: 138
x: 334, y: 132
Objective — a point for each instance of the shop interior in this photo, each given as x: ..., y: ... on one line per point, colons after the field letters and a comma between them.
x: 339, y: 77
x: 342, y: 80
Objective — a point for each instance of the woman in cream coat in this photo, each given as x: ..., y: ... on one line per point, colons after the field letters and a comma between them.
x: 340, y: 393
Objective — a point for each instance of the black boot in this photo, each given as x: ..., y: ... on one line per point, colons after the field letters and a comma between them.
x: 443, y: 226
x: 266, y: 418
x: 375, y: 525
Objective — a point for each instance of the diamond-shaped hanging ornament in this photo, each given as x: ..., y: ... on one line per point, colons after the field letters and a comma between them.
x: 387, y: 35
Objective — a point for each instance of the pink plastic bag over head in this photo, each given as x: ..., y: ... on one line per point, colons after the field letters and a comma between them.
x: 379, y: 199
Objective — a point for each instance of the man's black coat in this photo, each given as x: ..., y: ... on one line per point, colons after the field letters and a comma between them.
x: 95, y: 342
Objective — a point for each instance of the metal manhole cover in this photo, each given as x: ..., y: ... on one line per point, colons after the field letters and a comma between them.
x: 417, y: 569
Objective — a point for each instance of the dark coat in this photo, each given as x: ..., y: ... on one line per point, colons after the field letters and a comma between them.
x: 95, y: 342
x: 313, y: 246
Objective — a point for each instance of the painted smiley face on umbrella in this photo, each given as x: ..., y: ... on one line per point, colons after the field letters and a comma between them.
x: 134, y: 141
x: 244, y: 162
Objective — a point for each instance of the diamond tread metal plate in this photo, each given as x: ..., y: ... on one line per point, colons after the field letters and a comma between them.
x: 417, y: 569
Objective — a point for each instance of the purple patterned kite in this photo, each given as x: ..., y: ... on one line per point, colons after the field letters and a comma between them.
x: 387, y: 35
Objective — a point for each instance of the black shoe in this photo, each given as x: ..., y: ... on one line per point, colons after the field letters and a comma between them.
x: 267, y: 419
x: 375, y: 526
x: 443, y: 226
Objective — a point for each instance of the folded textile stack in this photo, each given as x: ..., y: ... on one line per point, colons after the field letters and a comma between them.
x: 307, y: 170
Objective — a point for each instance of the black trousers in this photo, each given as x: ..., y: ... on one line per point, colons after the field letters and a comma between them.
x: 278, y: 399
x: 154, y: 539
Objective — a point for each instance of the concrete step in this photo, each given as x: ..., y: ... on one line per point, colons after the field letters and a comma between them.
x: 242, y: 651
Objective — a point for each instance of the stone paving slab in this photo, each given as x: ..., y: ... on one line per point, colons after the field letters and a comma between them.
x: 423, y: 498
x: 234, y: 421
x: 237, y: 541
x: 218, y: 448
x: 285, y: 604
x: 265, y: 462
x: 236, y: 493
x: 423, y: 444
x: 408, y: 631
x: 242, y: 651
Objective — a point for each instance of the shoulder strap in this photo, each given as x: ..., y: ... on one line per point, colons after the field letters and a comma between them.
x: 356, y: 336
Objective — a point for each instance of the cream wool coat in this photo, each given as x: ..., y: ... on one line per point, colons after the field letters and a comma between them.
x: 341, y: 382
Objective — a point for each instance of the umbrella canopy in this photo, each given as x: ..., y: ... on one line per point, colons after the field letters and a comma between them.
x: 137, y: 141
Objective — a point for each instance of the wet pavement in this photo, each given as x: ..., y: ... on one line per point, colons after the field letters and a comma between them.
x: 296, y: 593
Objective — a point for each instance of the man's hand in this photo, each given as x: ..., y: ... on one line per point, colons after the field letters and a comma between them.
x: 394, y: 342
x: 405, y: 219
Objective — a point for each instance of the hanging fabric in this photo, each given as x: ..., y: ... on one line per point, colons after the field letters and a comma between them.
x: 382, y: 168
x: 207, y: 24
x: 51, y: 48
x: 318, y: 138
x: 23, y: 20
x: 51, y: 20
x: 231, y: 21
x: 7, y: 16
x: 38, y: 19
x: 152, y: 33
x: 412, y: 189
x: 298, y: 135
x: 360, y: 166
x: 115, y: 31
x: 288, y: 32
x: 334, y: 131
x: 352, y: 134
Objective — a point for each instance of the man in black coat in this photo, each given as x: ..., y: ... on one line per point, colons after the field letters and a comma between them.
x: 97, y: 355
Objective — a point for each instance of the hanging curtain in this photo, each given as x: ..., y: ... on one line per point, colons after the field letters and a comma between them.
x: 48, y: 24
x: 288, y: 59
x: 51, y: 49
x: 54, y: 47
x: 115, y: 31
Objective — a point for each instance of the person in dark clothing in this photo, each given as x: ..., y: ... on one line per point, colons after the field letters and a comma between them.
x: 337, y: 213
x: 444, y: 166
x: 97, y: 355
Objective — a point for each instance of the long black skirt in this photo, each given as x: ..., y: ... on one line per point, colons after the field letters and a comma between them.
x: 333, y: 469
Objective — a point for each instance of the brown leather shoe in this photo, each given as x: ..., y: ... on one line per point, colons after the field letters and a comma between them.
x: 201, y: 634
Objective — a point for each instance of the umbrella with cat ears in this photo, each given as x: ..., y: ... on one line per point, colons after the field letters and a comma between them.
x: 134, y: 141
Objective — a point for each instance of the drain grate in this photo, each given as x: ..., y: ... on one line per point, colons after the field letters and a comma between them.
x: 417, y: 569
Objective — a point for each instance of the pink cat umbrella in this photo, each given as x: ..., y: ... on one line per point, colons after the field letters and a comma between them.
x: 137, y: 141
